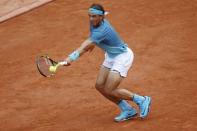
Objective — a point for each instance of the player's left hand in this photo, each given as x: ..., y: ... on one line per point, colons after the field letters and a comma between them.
x: 63, y: 63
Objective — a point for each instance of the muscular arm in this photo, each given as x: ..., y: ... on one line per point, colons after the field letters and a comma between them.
x: 86, y: 46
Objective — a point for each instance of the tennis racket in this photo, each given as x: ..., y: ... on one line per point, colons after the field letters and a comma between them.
x: 44, y: 63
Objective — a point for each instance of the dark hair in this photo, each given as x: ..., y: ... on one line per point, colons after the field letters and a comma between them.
x: 98, y: 7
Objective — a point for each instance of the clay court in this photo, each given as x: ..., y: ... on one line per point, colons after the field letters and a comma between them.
x: 163, y: 36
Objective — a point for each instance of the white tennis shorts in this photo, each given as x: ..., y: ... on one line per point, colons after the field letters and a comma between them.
x: 120, y: 63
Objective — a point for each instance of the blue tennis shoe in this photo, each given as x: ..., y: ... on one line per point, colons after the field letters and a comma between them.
x: 145, y: 106
x: 126, y: 115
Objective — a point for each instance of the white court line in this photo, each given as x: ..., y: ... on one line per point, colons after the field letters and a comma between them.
x: 23, y: 9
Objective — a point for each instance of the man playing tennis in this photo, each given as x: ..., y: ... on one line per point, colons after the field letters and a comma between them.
x: 118, y: 60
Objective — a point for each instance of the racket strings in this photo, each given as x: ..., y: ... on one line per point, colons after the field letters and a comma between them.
x: 43, y: 64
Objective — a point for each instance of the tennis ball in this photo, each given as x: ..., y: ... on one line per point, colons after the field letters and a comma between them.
x: 52, y: 69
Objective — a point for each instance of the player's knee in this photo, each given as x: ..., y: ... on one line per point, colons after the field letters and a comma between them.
x: 99, y: 86
x: 108, y: 91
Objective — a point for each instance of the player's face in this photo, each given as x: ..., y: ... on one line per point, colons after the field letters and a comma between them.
x: 95, y: 19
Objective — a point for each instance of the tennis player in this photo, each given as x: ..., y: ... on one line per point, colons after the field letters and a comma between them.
x: 117, y: 62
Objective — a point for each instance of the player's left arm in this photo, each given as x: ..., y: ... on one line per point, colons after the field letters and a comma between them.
x: 86, y: 46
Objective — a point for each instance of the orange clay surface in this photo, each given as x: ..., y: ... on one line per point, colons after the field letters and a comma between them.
x: 162, y: 35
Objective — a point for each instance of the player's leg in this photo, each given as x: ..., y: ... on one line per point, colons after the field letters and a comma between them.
x: 119, y: 70
x: 111, y: 88
x: 127, y: 111
x: 111, y: 84
x: 100, y: 82
x: 101, y: 79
